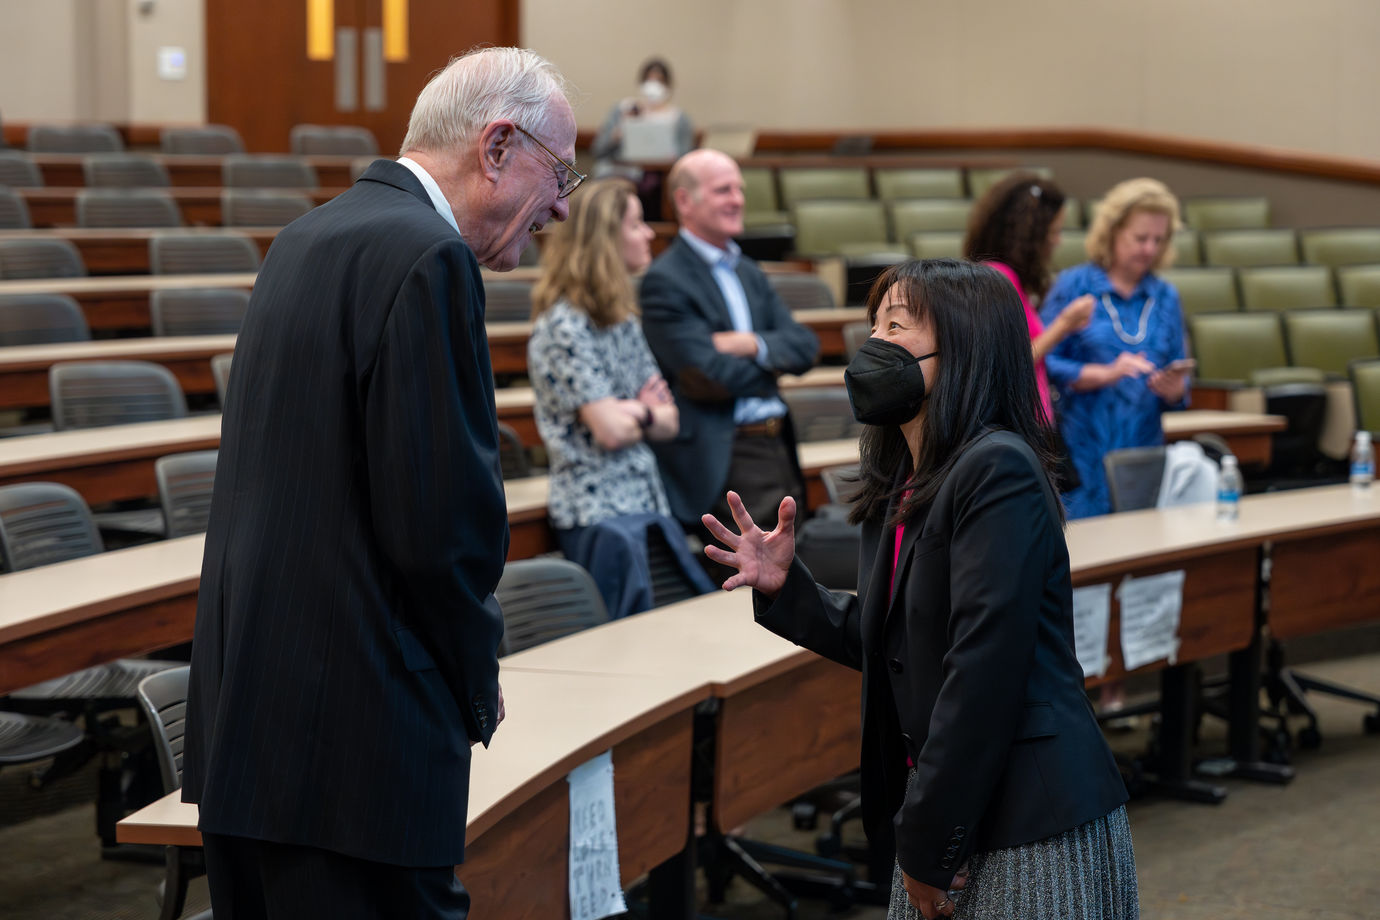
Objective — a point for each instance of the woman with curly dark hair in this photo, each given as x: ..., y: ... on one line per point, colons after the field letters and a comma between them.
x: 1014, y: 229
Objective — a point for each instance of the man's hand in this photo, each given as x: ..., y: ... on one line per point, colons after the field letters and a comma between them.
x: 738, y: 344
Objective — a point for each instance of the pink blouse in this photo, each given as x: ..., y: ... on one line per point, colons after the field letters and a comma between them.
x: 1032, y: 321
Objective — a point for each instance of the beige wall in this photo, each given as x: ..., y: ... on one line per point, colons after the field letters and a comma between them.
x: 1278, y: 72
x: 97, y: 59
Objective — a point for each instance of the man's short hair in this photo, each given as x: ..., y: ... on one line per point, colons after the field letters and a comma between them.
x: 479, y: 87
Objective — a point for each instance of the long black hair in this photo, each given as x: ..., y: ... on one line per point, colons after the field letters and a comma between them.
x: 985, y: 380
x: 1011, y: 224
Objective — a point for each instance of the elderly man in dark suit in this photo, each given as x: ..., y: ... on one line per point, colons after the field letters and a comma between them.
x: 345, y: 655
x: 722, y: 336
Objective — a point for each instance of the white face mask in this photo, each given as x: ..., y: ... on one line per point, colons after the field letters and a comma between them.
x: 655, y: 92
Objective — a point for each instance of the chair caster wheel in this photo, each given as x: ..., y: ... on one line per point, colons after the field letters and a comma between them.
x: 1310, y: 739
x: 804, y: 815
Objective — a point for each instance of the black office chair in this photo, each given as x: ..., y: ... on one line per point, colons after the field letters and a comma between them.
x: 1133, y: 477
x: 93, y: 394
x: 198, y: 311
x: 163, y: 698
x: 185, y: 482
x: 1295, y: 460
x: 507, y: 301
x: 37, y: 319
x: 821, y: 413
x: 512, y: 455
x: 545, y: 599
x: 202, y: 253
x: 44, y: 523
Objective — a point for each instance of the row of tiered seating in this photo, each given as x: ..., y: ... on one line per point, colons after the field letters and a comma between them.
x: 307, y: 140
x: 1241, y: 347
x: 169, y: 254
x: 1207, y: 289
x: 107, y: 208
x: 141, y: 170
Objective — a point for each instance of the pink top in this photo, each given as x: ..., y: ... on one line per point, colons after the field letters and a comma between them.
x: 1032, y: 321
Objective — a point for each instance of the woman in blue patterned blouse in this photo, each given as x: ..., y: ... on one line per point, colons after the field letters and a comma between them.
x: 1127, y: 366
x: 599, y: 394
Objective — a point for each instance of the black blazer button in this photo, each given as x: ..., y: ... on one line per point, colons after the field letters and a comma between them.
x: 946, y: 863
x: 895, y: 665
x: 960, y: 831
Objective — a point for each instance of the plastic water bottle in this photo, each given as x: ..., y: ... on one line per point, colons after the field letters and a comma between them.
x: 1228, y: 491
x: 1362, y: 462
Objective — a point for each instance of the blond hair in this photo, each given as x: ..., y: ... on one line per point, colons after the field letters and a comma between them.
x: 1115, y: 209
x: 583, y: 263
x: 477, y: 88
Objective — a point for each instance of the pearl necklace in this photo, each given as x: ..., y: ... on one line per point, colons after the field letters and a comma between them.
x: 1142, y: 328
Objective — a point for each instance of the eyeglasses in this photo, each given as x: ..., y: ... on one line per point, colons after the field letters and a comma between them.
x: 566, y: 182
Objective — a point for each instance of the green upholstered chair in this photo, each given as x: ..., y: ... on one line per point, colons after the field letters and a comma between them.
x: 980, y: 180
x: 1204, y: 289
x: 1330, y: 339
x: 761, y: 205
x: 1365, y: 388
x: 1359, y: 285
x: 926, y: 215
x: 809, y: 184
x: 1227, y: 213
x: 1341, y: 246
x: 1287, y: 287
x: 1188, y: 247
x: 918, y: 183
x: 1073, y: 214
x: 941, y: 244
x: 1230, y: 346
x: 1070, y: 251
x: 838, y: 228
x: 1250, y: 248
x: 1282, y: 376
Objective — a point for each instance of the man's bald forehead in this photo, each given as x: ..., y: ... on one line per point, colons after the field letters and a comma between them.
x: 690, y: 170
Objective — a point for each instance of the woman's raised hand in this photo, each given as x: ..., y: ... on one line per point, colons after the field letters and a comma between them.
x: 762, y: 559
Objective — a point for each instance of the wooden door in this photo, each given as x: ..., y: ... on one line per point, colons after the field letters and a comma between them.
x: 369, y: 60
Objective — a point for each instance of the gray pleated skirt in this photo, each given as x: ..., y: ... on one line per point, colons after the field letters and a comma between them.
x: 1087, y: 873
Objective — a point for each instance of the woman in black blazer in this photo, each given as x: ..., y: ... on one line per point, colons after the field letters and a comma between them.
x: 981, y: 756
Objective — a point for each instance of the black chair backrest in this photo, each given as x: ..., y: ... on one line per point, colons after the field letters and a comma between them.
x: 255, y: 207
x: 39, y: 259
x: 202, y: 253
x: 220, y: 372
x: 507, y: 301
x: 92, y: 138
x: 37, y: 319
x: 126, y: 207
x: 211, y: 140
x: 14, y: 213
x: 184, y: 490
x: 198, y: 311
x: 267, y: 171
x: 802, y: 291
x: 512, y: 456
x: 339, y: 140
x: 124, y: 170
x: 841, y: 483
x: 669, y: 581
x: 1134, y: 475
x: 1304, y: 407
x: 821, y: 413
x: 18, y: 171
x: 42, y: 523
x: 163, y: 697
x: 544, y: 599
x: 93, y: 394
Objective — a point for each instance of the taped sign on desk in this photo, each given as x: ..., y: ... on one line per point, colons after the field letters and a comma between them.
x: 595, y: 885
x: 1150, y: 609
x: 1092, y: 615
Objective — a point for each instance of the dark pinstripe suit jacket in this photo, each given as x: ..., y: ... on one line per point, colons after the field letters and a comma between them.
x: 344, y: 657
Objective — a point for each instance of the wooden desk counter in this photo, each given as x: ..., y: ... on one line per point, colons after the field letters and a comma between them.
x: 61, y: 618
x: 24, y: 368
x: 188, y: 170
x: 518, y: 825
x: 57, y: 207
x: 125, y: 250
x: 1247, y: 433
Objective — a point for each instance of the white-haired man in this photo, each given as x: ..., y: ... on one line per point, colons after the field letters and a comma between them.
x: 345, y: 656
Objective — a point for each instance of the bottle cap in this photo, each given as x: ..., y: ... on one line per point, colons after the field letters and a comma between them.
x: 1363, y: 435
x: 1228, y: 460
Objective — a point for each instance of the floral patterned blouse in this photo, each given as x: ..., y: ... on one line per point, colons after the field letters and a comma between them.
x: 572, y: 362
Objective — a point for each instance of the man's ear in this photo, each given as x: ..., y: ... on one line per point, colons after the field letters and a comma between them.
x: 495, y: 147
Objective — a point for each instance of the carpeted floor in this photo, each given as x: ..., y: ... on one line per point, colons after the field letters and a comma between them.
x: 1307, y: 850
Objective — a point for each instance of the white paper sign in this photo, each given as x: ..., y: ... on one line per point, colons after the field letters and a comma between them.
x: 1150, y: 608
x: 1092, y: 616
x: 595, y: 887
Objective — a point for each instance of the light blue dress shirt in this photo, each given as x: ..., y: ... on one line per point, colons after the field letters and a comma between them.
x: 723, y: 265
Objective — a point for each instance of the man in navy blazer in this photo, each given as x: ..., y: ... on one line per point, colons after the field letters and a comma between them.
x: 722, y: 336
x: 345, y: 654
